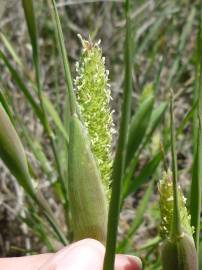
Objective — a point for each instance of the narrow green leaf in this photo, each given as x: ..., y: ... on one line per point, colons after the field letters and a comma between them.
x: 150, y: 243
x: 36, y: 149
x: 138, y: 127
x: 32, y: 28
x: 119, y: 162
x: 13, y: 155
x: 176, y: 226
x: 140, y: 211
x: 145, y: 175
x: 196, y: 185
x: 155, y: 119
x: 64, y: 58
x: 11, y: 50
x: 131, y: 185
x: 4, y: 103
x: 22, y: 87
x: 28, y: 6
x: 129, y: 172
x: 187, y: 118
x: 55, y: 117
x: 31, y: 23
x: 153, y: 32
x: 175, y: 68
x: 51, y: 219
x: 39, y: 227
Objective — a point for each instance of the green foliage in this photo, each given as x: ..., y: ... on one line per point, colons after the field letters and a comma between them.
x: 196, y: 185
x: 138, y: 219
x: 139, y: 123
x: 78, y: 127
x: 86, y: 193
x: 12, y: 152
x: 120, y: 157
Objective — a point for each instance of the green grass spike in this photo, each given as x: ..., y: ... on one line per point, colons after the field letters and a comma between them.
x: 166, y: 207
x: 93, y: 95
x: 178, y: 251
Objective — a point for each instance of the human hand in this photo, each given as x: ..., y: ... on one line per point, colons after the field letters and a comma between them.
x: 87, y: 254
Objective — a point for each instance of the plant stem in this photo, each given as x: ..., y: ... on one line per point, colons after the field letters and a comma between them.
x: 119, y: 162
x: 196, y: 185
x: 176, y: 229
x: 67, y: 73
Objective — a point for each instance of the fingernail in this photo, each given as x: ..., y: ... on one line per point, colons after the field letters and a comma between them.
x: 136, y: 260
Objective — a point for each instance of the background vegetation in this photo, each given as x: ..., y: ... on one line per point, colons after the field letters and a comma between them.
x: 164, y: 56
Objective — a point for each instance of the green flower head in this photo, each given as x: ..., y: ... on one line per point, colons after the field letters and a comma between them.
x: 93, y: 95
x: 166, y: 207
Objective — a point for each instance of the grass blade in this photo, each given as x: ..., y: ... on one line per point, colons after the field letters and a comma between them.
x: 61, y: 43
x: 175, y: 68
x: 128, y: 185
x: 39, y: 228
x: 156, y: 117
x: 55, y: 117
x: 36, y: 149
x: 13, y: 155
x: 119, y: 162
x: 196, y: 185
x: 19, y: 81
x: 4, y: 102
x: 144, y: 176
x: 138, y: 127
x: 11, y: 50
x: 149, y: 168
x: 31, y: 23
x: 138, y: 218
x: 176, y: 226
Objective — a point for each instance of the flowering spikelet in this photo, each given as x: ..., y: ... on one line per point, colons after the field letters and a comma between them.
x: 166, y: 207
x: 93, y: 95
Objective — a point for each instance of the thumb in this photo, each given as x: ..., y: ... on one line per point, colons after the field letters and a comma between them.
x: 88, y: 254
